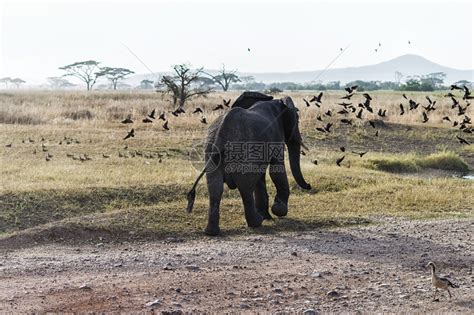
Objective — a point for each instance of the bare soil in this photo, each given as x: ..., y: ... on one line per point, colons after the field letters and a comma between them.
x: 377, y: 268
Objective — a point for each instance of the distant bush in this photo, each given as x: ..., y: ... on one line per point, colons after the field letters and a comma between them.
x: 444, y: 160
x: 78, y: 115
x: 393, y: 165
x: 7, y: 117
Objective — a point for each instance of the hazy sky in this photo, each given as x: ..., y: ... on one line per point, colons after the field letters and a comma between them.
x: 37, y: 37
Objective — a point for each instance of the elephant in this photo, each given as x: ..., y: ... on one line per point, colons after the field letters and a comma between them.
x: 233, y: 155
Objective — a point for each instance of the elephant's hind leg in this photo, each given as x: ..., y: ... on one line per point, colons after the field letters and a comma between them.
x: 253, y: 218
x: 261, y: 198
x: 215, y: 186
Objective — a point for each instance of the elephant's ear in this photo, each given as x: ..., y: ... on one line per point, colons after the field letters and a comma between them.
x: 288, y: 102
x: 247, y: 99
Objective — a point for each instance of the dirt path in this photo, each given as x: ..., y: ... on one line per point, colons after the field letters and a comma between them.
x: 366, y: 269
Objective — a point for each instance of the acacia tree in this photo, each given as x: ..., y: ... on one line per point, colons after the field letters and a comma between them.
x: 5, y: 81
x: 59, y: 83
x: 115, y: 74
x: 225, y: 78
x: 146, y: 84
x: 183, y: 85
x: 18, y: 82
x: 86, y: 71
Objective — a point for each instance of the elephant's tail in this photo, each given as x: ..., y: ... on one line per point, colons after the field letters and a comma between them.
x: 192, y: 193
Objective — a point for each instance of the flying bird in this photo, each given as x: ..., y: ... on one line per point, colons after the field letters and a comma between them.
x: 343, y: 149
x: 218, y: 107
x: 203, y: 120
x: 152, y: 114
x: 359, y: 114
x: 425, y: 117
x: 307, y: 103
x: 351, y: 89
x: 361, y: 154
x: 367, y: 96
x: 316, y: 99
x: 346, y: 121
x: 372, y: 123
x: 402, y: 110
x: 339, y: 161
x: 226, y: 102
x: 347, y: 97
x: 319, y: 118
x: 197, y: 110
x: 462, y: 141
x: 162, y: 116
x: 147, y: 120
x: 165, y: 126
x: 130, y: 134
x: 127, y: 120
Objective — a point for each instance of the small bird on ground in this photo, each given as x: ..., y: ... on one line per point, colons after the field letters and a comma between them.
x: 439, y: 282
x: 9, y: 145
x: 339, y: 161
x: 130, y: 134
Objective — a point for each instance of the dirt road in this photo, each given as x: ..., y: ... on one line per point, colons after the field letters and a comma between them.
x: 361, y: 269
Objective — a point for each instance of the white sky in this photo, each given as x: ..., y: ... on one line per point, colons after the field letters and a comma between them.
x: 37, y: 37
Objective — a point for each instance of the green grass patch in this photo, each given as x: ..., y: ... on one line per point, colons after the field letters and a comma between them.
x: 445, y: 160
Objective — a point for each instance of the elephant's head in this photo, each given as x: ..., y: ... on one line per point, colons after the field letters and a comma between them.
x: 293, y: 140
x: 247, y: 99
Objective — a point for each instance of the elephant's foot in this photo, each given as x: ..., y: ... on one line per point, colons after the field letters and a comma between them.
x: 212, y: 230
x: 254, y: 220
x: 265, y: 214
x: 279, y: 209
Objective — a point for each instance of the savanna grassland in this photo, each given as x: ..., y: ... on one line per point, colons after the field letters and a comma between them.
x: 138, y: 190
x: 102, y: 227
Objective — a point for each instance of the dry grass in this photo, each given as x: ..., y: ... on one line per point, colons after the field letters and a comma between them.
x: 147, y: 197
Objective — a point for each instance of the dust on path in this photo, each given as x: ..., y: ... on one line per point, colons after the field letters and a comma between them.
x: 367, y: 269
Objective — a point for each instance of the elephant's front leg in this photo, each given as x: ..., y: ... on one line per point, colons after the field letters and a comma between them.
x: 278, y: 176
x: 253, y: 218
x: 215, y: 186
x: 261, y: 198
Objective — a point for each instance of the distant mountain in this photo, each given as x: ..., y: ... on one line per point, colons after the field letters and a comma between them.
x: 408, y: 65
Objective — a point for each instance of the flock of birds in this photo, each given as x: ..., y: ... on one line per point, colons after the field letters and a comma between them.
x: 350, y: 113
x: 347, y: 115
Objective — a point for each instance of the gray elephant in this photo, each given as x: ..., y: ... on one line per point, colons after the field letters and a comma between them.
x: 241, y: 145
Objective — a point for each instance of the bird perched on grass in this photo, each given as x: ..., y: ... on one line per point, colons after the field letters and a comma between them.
x: 439, y: 282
